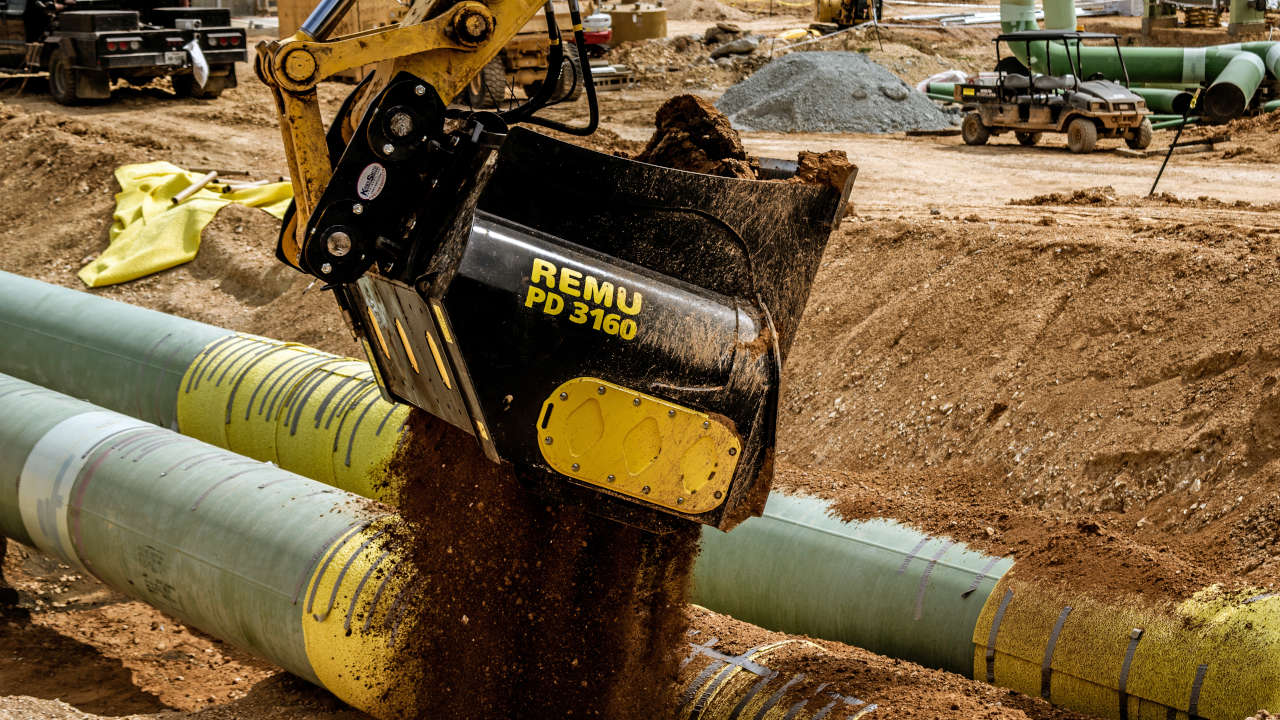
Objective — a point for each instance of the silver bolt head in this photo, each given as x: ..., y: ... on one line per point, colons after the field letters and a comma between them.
x: 645, y: 489
x: 671, y: 413
x: 564, y: 396
x: 576, y: 467
x: 679, y: 501
x: 600, y: 389
x: 419, y: 90
x: 733, y: 451
x: 706, y: 424
x: 612, y: 478
x: 326, y: 268
x: 357, y: 209
x: 338, y: 243
x: 719, y: 494
x: 388, y: 148
x: 636, y: 402
x: 547, y: 440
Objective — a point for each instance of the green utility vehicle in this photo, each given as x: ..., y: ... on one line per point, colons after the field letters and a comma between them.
x: 1030, y: 104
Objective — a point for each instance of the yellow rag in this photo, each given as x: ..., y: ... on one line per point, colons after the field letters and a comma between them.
x: 149, y: 233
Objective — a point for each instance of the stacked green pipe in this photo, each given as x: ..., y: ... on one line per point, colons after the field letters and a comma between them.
x: 1232, y: 72
x: 797, y: 568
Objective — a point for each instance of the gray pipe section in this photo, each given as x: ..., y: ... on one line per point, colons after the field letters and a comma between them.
x: 225, y: 543
x: 119, y: 356
x: 876, y: 584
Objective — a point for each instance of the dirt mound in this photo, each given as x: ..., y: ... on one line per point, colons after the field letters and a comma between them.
x: 829, y: 92
x: 1000, y: 381
x: 1106, y: 196
x: 1253, y: 139
x: 704, y: 10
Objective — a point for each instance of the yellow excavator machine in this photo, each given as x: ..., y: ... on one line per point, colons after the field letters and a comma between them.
x: 624, y: 354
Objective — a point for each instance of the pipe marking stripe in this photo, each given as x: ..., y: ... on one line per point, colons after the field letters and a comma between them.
x: 273, y: 370
x: 248, y: 349
x: 197, y: 368
x: 231, y: 397
x: 346, y: 402
x: 912, y: 555
x: 315, y: 557
x: 1193, y: 62
x: 355, y: 596
x: 216, y: 357
x: 261, y: 466
x: 924, y: 578
x: 377, y: 595
x: 777, y: 696
x: 751, y: 694
x: 1193, y: 703
x: 697, y: 649
x: 298, y: 401
x: 737, y: 662
x: 337, y: 582
x: 1122, y: 686
x: 284, y: 374
x: 50, y: 471
x: 355, y: 428
x: 982, y: 575
x: 355, y: 402
x: 995, y: 631
x: 1046, y: 665
x: 325, y: 402
x: 825, y: 711
x: 795, y: 709
x: 358, y: 527
x: 287, y: 376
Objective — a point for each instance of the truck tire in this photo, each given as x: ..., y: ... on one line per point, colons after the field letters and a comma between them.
x: 62, y: 78
x: 1027, y: 139
x: 1141, y: 137
x: 1082, y: 135
x: 186, y: 86
x: 974, y: 131
x: 488, y: 89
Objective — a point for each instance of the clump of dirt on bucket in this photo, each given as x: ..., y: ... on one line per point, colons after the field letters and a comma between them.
x: 692, y: 135
x: 527, y: 608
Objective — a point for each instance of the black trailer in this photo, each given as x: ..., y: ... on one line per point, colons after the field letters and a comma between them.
x: 85, y: 45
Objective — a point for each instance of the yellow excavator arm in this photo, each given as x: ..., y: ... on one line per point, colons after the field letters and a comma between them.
x: 445, y: 50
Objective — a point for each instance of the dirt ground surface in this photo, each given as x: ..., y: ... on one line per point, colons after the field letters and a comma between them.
x: 1010, y: 346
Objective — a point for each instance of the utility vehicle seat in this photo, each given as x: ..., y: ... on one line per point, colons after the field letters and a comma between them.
x: 1053, y: 82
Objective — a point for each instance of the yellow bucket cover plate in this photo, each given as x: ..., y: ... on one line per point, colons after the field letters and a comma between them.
x: 638, y: 445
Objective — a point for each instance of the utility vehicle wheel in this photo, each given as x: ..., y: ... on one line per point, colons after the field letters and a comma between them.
x: 62, y: 79
x: 973, y: 131
x: 186, y: 86
x: 1141, y: 137
x: 488, y: 89
x: 1082, y: 135
x: 1027, y: 139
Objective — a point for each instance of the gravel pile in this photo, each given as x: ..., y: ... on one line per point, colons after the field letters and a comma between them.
x: 829, y: 92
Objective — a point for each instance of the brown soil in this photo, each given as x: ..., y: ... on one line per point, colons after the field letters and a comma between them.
x: 522, y: 603
x: 703, y: 10
x: 691, y: 134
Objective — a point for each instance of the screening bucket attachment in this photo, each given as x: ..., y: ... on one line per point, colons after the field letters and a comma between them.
x: 614, y: 330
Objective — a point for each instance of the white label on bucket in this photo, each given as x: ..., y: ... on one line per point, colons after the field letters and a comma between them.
x: 50, y: 472
x: 372, y: 180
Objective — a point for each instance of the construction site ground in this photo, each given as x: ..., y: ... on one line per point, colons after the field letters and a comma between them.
x: 1007, y: 345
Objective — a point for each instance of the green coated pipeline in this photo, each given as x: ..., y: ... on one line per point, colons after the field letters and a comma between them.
x: 874, y: 584
x: 1164, y: 100
x: 1232, y: 81
x: 175, y: 522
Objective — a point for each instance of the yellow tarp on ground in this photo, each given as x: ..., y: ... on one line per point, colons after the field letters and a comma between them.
x: 149, y: 233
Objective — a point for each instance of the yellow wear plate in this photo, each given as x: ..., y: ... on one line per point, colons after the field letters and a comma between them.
x: 638, y: 445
